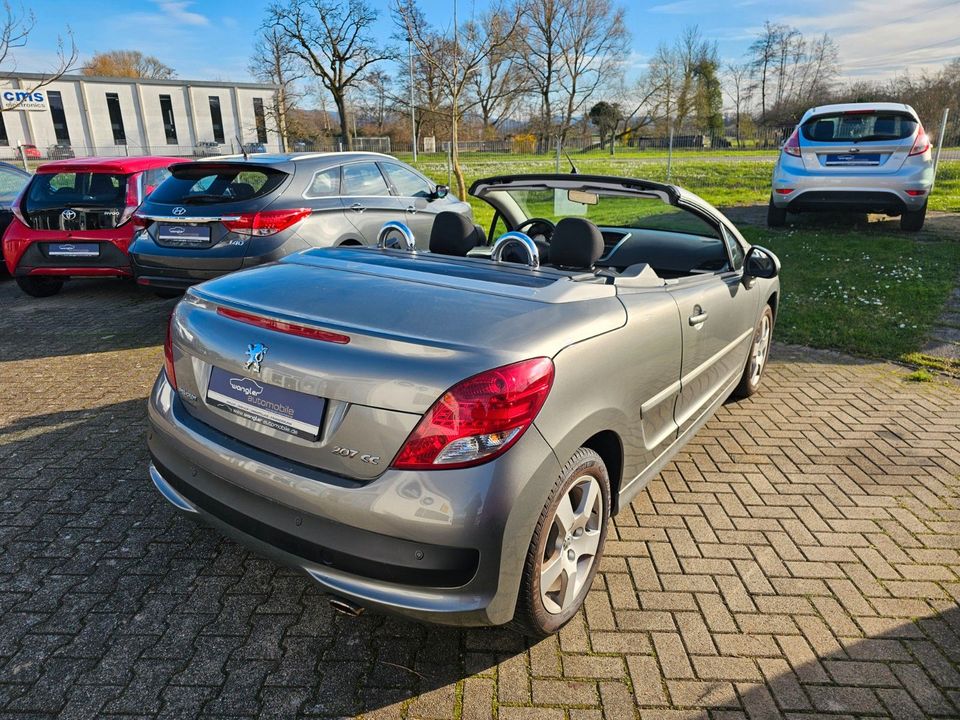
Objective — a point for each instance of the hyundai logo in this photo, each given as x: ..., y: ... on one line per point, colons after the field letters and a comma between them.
x: 69, y: 214
x: 178, y: 211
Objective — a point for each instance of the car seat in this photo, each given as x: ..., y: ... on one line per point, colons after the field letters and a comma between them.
x: 453, y: 234
x: 576, y: 244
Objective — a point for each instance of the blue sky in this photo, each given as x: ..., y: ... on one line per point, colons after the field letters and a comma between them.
x: 210, y: 39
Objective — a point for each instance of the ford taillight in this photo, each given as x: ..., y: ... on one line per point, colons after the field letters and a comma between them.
x: 266, y: 222
x: 479, y: 418
x: 168, y: 367
x: 922, y: 143
x: 792, y: 146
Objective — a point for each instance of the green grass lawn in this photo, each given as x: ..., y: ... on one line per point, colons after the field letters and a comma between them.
x: 868, y: 294
x: 740, y: 181
x: 873, y: 293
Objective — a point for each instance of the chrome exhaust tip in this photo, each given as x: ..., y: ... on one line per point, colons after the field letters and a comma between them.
x: 345, y: 607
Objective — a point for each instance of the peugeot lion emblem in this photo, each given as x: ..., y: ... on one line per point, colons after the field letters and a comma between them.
x: 179, y: 210
x: 255, y: 353
x: 69, y: 214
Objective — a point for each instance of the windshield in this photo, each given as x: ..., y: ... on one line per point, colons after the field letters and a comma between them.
x: 205, y: 184
x: 608, y: 210
x: 81, y: 189
x: 859, y: 127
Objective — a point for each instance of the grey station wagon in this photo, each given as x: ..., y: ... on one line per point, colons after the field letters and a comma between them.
x: 445, y: 434
x: 212, y: 217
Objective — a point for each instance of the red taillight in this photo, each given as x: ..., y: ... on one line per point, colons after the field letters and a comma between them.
x: 792, y: 145
x: 168, y: 355
x: 479, y: 418
x: 132, y: 200
x: 266, y: 222
x: 916, y: 193
x: 139, y: 221
x: 17, y: 206
x: 284, y: 327
x: 922, y: 143
x: 784, y: 191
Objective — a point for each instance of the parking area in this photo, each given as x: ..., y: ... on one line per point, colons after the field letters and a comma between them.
x: 801, y: 557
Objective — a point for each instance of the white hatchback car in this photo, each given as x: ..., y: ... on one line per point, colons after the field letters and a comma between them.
x: 864, y: 157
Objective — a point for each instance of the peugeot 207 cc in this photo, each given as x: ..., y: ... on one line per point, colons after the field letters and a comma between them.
x: 445, y: 434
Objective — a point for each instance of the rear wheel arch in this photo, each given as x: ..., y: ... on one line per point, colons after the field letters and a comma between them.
x: 609, y: 447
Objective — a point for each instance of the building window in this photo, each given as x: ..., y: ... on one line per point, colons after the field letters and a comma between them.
x: 261, y: 120
x: 4, y: 140
x: 169, y: 124
x: 59, y: 117
x: 116, y: 119
x: 216, y: 118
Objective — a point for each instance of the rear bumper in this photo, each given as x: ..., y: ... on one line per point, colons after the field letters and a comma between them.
x: 366, y: 542
x: 178, y: 268
x: 873, y: 192
x: 26, y: 253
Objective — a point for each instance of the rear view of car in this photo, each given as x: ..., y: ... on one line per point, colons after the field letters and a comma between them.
x: 861, y: 157
x: 73, y: 219
x: 212, y: 217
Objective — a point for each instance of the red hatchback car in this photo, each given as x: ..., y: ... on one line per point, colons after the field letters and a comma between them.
x: 73, y: 219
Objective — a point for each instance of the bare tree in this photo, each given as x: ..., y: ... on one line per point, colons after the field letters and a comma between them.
x: 275, y: 62
x: 335, y: 40
x: 456, y: 57
x: 571, y: 47
x: 128, y: 63
x: 593, y: 41
x: 499, y: 84
x: 739, y: 90
x: 16, y: 24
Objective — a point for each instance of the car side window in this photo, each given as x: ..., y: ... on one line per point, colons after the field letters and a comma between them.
x: 153, y: 177
x: 325, y: 183
x: 736, y: 249
x: 406, y: 182
x: 363, y: 179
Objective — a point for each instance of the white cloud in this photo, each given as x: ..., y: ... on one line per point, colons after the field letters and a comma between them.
x: 878, y: 40
x: 177, y: 11
x: 680, y: 7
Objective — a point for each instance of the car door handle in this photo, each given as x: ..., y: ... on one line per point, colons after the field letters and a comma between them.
x: 699, y: 317
x: 412, y: 209
x: 358, y: 208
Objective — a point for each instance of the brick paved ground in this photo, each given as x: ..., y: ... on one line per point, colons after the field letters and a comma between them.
x: 800, y: 557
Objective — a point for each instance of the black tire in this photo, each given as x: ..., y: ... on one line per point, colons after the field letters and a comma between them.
x: 776, y: 217
x: 912, y: 220
x: 532, y: 618
x: 168, y: 294
x: 40, y: 286
x: 750, y: 380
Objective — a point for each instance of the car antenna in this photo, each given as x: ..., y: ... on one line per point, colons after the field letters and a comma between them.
x: 573, y: 168
x: 242, y: 148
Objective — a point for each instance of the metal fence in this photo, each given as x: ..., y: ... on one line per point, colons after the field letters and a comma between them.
x: 759, y: 146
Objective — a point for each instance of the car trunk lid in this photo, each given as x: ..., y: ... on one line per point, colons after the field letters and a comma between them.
x: 203, y: 204
x: 357, y: 357
x: 80, y: 200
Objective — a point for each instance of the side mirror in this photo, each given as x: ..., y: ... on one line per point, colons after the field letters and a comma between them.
x: 441, y: 192
x: 761, y: 263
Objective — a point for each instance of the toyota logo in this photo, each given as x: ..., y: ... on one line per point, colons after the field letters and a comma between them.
x: 69, y: 214
x: 178, y: 211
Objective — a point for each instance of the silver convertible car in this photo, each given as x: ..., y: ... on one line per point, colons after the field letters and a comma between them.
x: 445, y: 434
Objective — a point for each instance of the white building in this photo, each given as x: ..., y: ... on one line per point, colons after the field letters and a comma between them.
x: 135, y: 116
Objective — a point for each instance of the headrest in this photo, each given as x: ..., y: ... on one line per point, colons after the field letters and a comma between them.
x: 453, y: 234
x: 576, y: 243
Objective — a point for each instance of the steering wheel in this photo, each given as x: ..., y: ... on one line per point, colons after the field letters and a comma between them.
x: 540, y: 228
